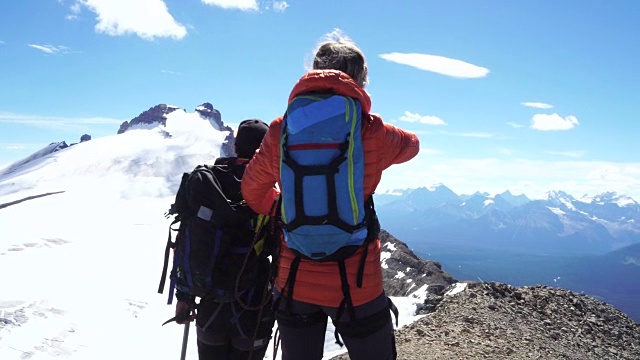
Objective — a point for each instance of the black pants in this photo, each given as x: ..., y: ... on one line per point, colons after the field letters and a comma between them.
x: 302, y: 330
x: 227, y: 331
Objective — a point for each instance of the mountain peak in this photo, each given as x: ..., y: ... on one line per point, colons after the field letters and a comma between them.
x: 207, y: 111
x: 558, y: 195
x: 438, y: 187
x: 614, y: 197
x: 515, y: 200
x: 155, y: 115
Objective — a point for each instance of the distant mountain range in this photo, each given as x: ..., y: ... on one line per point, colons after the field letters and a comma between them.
x: 590, y: 244
x: 559, y: 224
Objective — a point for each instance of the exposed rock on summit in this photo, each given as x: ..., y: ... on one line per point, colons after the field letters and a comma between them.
x: 207, y: 111
x: 499, y: 321
x: 155, y: 115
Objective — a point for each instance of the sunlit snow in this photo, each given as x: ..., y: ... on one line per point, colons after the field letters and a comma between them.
x: 556, y: 211
x: 458, y: 287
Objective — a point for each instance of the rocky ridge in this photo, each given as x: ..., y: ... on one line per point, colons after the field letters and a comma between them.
x: 499, y: 321
x: 404, y: 272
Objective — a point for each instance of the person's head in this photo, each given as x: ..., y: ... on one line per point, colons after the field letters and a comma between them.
x: 249, y: 136
x: 338, y: 52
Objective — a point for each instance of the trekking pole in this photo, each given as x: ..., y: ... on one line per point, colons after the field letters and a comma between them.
x: 185, y: 339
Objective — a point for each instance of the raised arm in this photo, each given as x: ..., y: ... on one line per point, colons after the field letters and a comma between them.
x: 263, y: 172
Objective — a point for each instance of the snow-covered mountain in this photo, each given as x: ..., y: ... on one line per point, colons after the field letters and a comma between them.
x: 559, y: 224
x: 82, y: 234
x: 82, y: 237
x: 137, y: 159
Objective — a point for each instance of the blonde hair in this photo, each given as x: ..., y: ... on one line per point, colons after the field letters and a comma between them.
x: 336, y: 51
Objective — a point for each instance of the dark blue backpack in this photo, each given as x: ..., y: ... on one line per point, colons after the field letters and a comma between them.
x: 215, y: 235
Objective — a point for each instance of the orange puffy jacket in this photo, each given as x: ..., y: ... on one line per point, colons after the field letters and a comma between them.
x: 384, y: 145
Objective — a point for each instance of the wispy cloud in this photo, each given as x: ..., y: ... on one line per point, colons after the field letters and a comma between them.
x: 438, y: 64
x: 56, y: 122
x: 553, y: 122
x: 515, y: 125
x: 280, y: 6
x: 422, y: 119
x: 244, y: 5
x: 75, y: 9
x: 2, y: 42
x: 571, y: 154
x: 10, y: 146
x: 51, y: 49
x: 537, y: 105
x: 249, y: 5
x: 149, y: 19
x: 169, y: 72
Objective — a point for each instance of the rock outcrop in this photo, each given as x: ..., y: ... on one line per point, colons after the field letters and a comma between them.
x: 155, y: 115
x: 404, y: 272
x: 499, y: 321
x: 207, y: 111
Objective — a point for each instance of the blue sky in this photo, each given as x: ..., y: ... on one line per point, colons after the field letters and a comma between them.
x: 526, y: 96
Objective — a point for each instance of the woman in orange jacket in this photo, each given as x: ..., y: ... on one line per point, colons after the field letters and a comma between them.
x: 339, y: 67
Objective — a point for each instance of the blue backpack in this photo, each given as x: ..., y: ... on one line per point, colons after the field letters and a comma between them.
x: 324, y: 213
x: 322, y: 176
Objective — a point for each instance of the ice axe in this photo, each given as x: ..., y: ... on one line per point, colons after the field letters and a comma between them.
x: 185, y: 338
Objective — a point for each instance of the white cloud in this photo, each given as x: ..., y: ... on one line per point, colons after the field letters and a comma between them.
x: 280, y: 6
x: 515, y: 125
x: 537, y: 105
x: 422, y: 119
x: 75, y: 11
x: 50, y: 49
x: 551, y: 122
x: 244, y: 5
x: 57, y: 122
x: 75, y: 8
x: 438, y: 64
x: 148, y: 19
x: 2, y: 42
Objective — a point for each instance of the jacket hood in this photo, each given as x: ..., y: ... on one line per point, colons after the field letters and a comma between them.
x: 334, y: 81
